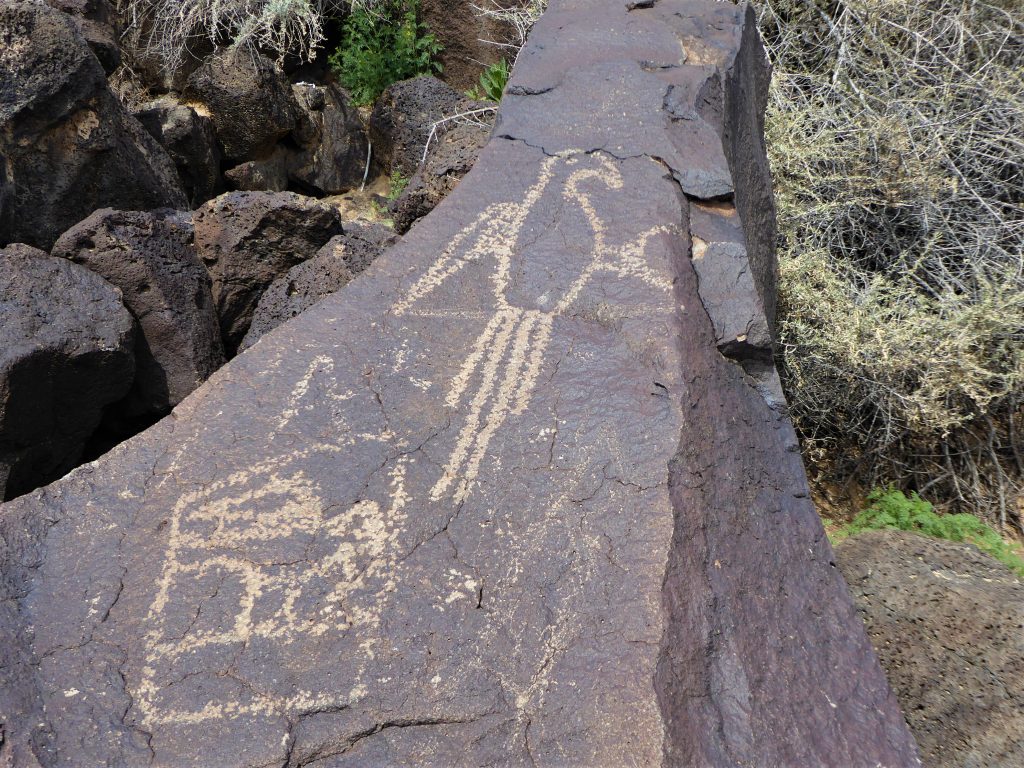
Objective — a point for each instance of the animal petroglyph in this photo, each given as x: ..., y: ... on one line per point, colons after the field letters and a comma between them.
x: 506, y: 358
x: 256, y: 558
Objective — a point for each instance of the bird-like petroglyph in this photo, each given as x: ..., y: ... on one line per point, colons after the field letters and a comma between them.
x: 256, y: 558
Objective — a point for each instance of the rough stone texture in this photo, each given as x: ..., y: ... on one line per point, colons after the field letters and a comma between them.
x: 500, y: 501
x: 471, y: 41
x: 67, y: 146
x: 404, y: 116
x: 306, y: 283
x: 948, y: 625
x: 449, y: 158
x: 66, y: 353
x: 249, y: 239
x: 333, y: 141
x: 249, y: 100
x: 151, y: 259
x: 190, y: 141
x: 97, y: 22
x: 268, y: 175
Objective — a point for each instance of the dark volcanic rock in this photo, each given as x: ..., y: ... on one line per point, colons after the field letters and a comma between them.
x: 306, y: 283
x: 67, y: 146
x: 449, y: 158
x: 268, y: 175
x: 249, y: 239
x: 333, y: 156
x: 97, y: 22
x: 500, y: 501
x: 189, y: 139
x: 470, y: 40
x: 249, y: 100
x: 151, y: 259
x: 948, y: 625
x: 404, y: 116
x: 66, y: 353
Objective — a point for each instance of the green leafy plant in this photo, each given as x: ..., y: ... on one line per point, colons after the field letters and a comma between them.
x: 383, y: 43
x: 492, y: 82
x: 891, y: 509
x: 396, y: 185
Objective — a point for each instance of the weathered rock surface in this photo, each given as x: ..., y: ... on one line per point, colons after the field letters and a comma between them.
x: 306, y: 283
x: 190, y: 141
x: 404, y: 116
x: 249, y: 239
x: 333, y: 141
x: 470, y: 40
x: 500, y: 501
x: 150, y: 258
x: 97, y: 22
x: 249, y: 100
x: 67, y: 146
x: 449, y: 158
x: 948, y: 624
x: 66, y: 353
x: 267, y: 175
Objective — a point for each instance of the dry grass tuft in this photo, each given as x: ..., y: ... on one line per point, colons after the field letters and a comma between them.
x: 896, y: 137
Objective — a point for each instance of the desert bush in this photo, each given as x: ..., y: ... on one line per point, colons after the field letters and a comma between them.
x: 895, y: 132
x: 166, y: 28
x: 383, y: 43
x: 894, y: 510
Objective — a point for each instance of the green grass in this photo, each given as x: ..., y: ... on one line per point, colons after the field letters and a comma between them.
x: 492, y: 83
x: 891, y: 509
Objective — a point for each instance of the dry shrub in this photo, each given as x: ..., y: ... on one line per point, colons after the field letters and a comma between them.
x: 896, y: 138
x: 515, y: 18
x: 167, y: 28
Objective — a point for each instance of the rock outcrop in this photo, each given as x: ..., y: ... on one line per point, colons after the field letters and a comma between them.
x: 150, y: 258
x: 502, y: 500
x: 67, y: 146
x: 470, y: 40
x: 249, y: 100
x: 449, y: 157
x: 190, y: 141
x: 404, y: 116
x: 66, y: 353
x: 333, y: 144
x: 305, y: 284
x: 249, y: 239
x: 948, y: 624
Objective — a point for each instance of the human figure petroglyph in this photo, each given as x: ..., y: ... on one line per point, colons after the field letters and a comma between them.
x: 253, y: 530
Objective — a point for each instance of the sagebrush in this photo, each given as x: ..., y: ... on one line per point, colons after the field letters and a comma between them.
x: 896, y: 139
x: 167, y: 28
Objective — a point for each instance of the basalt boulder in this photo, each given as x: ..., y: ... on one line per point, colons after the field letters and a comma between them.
x: 150, y: 258
x: 249, y: 239
x: 249, y: 100
x: 97, y: 22
x: 947, y: 622
x: 190, y: 141
x: 343, y: 257
x: 449, y: 158
x: 405, y: 115
x: 66, y: 354
x: 67, y: 146
x: 333, y: 155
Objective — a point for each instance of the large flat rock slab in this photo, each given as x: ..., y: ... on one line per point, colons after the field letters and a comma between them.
x: 508, y: 498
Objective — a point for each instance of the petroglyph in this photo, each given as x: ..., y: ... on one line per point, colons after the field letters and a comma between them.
x: 256, y: 556
x: 507, y: 356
